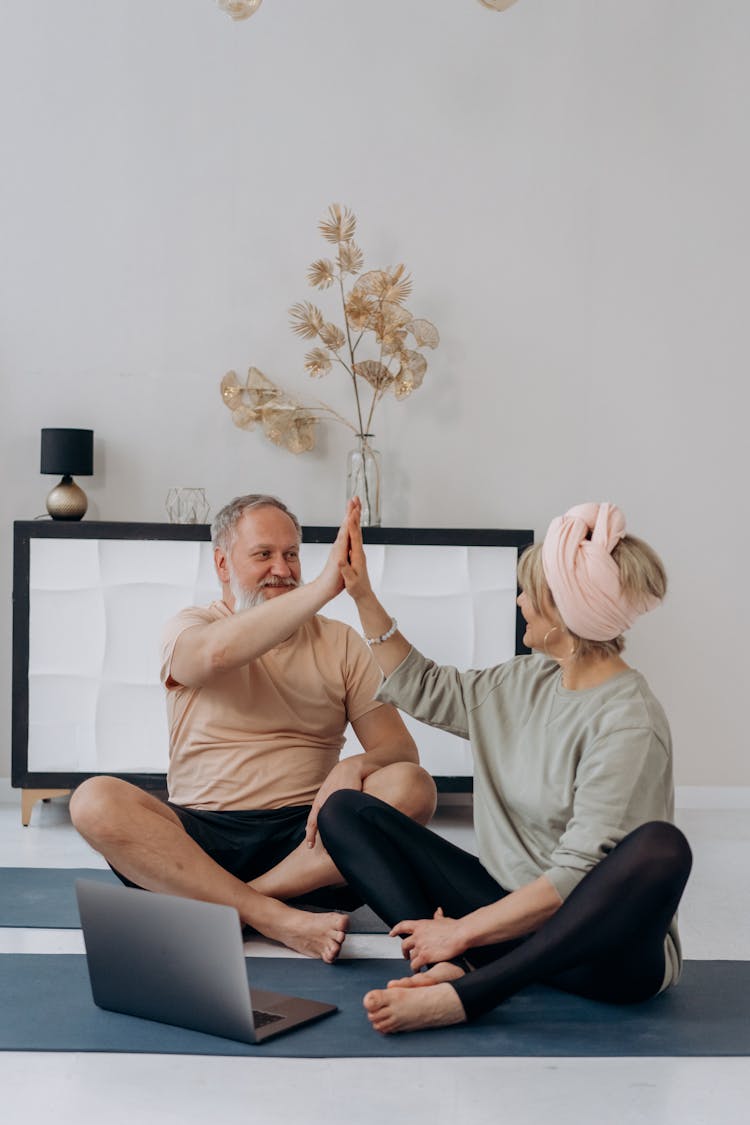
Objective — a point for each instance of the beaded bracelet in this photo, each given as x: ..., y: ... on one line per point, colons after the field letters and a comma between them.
x: 386, y: 636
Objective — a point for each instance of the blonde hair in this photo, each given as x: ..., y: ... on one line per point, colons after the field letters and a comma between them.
x: 642, y: 574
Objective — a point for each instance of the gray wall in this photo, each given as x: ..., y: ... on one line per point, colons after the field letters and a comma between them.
x: 567, y: 181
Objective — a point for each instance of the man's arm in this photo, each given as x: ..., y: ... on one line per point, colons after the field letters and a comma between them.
x: 384, y: 740
x: 204, y: 651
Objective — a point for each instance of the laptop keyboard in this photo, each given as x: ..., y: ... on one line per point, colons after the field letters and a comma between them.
x: 261, y: 1019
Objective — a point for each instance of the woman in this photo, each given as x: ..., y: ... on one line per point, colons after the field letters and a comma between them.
x: 580, y: 870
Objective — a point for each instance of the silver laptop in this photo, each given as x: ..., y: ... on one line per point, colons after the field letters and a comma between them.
x: 179, y: 961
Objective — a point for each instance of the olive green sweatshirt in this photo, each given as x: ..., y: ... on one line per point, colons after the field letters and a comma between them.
x: 560, y: 776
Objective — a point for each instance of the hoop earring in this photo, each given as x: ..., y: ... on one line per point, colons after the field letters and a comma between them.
x: 554, y: 629
x: 560, y: 659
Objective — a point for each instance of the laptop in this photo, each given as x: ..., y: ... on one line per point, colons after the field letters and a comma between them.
x: 181, y: 962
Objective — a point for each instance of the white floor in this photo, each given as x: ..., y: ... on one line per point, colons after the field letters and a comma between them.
x: 62, y: 1088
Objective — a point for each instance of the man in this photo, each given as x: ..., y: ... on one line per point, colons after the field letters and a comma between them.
x: 259, y: 693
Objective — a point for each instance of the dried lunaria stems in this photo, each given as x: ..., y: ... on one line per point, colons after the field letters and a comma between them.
x: 374, y: 313
x: 240, y: 9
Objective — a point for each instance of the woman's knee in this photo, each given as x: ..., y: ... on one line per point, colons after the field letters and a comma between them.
x: 662, y: 847
x: 337, y: 817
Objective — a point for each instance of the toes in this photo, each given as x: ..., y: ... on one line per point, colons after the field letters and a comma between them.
x: 403, y: 982
x: 372, y: 1001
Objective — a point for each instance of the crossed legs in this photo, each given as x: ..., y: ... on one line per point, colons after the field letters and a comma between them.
x: 606, y: 941
x: 145, y: 840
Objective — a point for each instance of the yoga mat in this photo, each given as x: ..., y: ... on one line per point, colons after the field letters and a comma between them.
x: 44, y: 898
x: 47, y: 1006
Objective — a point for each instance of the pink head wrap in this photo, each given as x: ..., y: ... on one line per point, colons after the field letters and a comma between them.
x: 582, y: 575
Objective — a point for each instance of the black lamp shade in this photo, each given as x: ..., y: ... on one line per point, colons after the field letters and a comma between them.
x: 68, y: 452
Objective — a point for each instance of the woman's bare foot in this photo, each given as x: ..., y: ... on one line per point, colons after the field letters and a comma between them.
x: 314, y: 935
x: 438, y: 974
x: 411, y: 1009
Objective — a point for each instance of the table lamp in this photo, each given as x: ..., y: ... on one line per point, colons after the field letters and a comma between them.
x: 67, y: 452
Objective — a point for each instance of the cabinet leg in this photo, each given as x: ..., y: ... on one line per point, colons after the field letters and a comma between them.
x: 29, y: 798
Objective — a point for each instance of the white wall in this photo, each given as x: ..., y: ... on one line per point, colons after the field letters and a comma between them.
x: 568, y: 182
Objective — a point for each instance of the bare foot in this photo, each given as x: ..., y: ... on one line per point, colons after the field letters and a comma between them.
x: 314, y: 935
x: 442, y: 971
x: 411, y: 1009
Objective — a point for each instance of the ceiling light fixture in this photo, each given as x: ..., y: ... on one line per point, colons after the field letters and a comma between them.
x: 240, y: 9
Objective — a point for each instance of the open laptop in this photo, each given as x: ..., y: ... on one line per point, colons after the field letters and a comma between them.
x: 179, y: 961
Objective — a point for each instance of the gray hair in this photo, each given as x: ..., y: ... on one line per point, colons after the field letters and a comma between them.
x: 224, y: 526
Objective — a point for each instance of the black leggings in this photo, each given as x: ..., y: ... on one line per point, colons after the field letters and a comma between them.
x: 605, y: 942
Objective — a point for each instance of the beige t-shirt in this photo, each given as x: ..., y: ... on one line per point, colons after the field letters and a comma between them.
x: 265, y: 736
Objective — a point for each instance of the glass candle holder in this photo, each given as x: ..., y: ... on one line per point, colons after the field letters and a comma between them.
x: 187, y: 505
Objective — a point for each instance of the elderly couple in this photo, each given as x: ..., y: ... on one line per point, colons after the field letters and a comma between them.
x: 580, y: 869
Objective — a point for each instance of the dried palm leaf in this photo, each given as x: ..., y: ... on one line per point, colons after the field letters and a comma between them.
x: 393, y: 342
x: 359, y: 308
x: 289, y: 425
x: 317, y: 362
x: 332, y: 336
x: 245, y: 417
x: 350, y: 257
x: 374, y: 283
x: 260, y: 388
x: 424, y: 332
x: 399, y: 285
x: 340, y: 224
x: 395, y: 316
x: 231, y: 391
x: 306, y: 319
x: 301, y: 437
x: 375, y: 373
x: 321, y: 274
x: 411, y: 375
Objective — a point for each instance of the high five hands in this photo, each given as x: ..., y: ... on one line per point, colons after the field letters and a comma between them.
x: 353, y: 564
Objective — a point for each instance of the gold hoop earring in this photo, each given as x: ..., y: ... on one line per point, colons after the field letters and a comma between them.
x: 560, y: 659
x: 554, y: 629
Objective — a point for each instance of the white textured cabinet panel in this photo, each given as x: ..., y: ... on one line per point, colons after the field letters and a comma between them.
x: 97, y: 608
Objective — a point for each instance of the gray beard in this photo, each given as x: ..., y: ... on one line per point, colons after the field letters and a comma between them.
x: 247, y: 599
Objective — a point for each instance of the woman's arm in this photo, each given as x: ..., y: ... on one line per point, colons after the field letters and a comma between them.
x: 521, y: 912
x: 375, y: 620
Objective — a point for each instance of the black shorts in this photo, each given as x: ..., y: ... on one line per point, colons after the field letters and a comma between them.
x: 252, y: 841
x: 248, y: 842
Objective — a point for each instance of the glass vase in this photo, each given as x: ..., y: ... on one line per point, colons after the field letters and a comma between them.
x: 363, y: 479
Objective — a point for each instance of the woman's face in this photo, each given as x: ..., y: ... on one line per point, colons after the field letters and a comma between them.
x: 540, y: 623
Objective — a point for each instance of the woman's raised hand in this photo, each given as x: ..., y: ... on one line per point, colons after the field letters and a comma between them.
x: 354, y: 567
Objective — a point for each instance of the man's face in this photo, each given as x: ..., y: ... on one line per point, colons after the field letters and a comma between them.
x: 264, y: 560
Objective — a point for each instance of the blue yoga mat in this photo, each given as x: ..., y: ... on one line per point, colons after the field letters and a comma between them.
x: 47, y: 1006
x: 44, y: 898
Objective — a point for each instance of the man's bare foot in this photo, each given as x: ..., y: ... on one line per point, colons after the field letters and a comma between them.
x: 314, y: 935
x: 442, y: 971
x: 411, y: 1009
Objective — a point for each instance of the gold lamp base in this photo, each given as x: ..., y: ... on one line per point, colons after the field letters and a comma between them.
x: 67, y: 501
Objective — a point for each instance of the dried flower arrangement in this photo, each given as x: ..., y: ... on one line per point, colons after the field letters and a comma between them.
x: 374, y: 312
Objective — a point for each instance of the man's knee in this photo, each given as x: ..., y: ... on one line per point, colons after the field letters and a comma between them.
x: 407, y: 787
x: 95, y: 801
